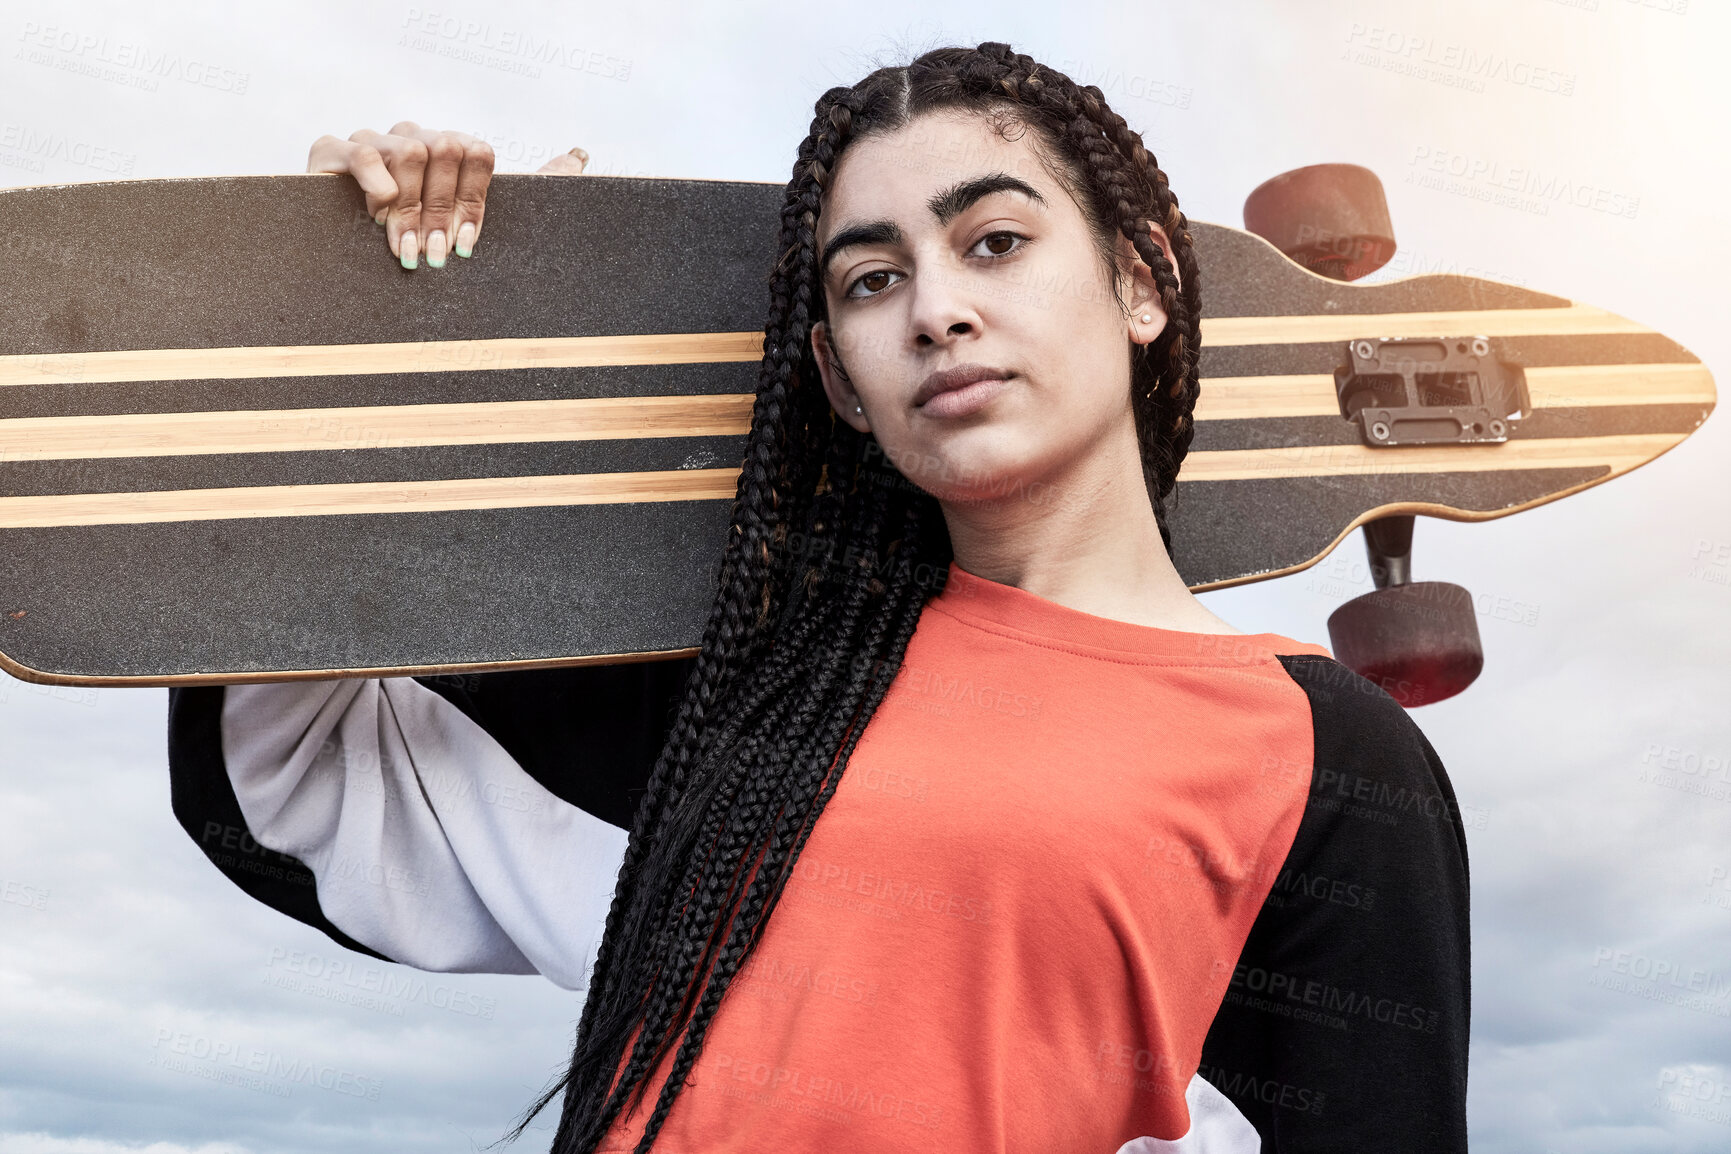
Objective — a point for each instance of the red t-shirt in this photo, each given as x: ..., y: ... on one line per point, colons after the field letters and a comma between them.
x: 1015, y: 920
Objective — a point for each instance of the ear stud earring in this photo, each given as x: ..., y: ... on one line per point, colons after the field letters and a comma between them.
x: 1147, y: 318
x: 857, y: 409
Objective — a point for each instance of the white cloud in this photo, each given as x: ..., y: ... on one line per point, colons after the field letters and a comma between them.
x: 48, y: 1144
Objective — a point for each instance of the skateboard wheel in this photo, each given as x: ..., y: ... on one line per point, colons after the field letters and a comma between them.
x: 1330, y: 218
x: 1418, y: 641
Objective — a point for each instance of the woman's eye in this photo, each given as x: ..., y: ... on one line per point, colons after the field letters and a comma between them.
x: 876, y: 281
x: 998, y: 242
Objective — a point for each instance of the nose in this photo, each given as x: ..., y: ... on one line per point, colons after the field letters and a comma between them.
x: 942, y: 308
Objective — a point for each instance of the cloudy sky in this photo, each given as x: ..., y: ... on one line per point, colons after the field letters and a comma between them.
x: 1591, y: 755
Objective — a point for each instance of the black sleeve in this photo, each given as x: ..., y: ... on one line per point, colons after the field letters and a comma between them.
x: 205, y: 804
x: 589, y: 734
x: 1345, y: 1024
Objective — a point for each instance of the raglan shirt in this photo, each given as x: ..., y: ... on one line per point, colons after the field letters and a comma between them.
x: 1084, y: 886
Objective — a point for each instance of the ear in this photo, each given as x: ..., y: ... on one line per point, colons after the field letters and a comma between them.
x: 836, y: 385
x: 1143, y: 297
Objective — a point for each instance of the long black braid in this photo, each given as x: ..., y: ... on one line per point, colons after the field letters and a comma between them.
x: 831, y: 558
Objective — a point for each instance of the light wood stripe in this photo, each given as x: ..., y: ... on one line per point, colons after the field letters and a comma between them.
x: 1552, y: 387
x: 707, y: 348
x: 372, y: 427
x: 505, y: 422
x: 399, y: 357
x: 1582, y: 385
x: 366, y: 497
x: 1575, y: 320
x: 1253, y: 398
x: 1619, y: 453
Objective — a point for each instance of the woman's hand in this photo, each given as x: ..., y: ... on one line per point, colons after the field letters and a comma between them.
x: 428, y: 188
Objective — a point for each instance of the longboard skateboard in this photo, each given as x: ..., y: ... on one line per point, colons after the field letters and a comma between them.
x: 237, y: 442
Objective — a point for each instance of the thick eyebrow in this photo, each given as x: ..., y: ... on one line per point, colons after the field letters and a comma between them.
x: 877, y: 232
x: 958, y: 198
x: 945, y: 205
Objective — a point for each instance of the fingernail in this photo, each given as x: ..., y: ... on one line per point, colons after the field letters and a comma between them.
x: 466, y: 239
x: 436, y: 248
x: 410, y: 251
x: 383, y: 213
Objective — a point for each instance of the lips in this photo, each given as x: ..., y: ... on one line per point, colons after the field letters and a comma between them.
x: 959, y: 377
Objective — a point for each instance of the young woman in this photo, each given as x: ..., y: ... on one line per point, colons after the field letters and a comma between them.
x: 969, y: 828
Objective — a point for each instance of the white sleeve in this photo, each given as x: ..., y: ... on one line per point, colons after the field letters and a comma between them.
x: 427, y: 840
x: 1216, y: 1127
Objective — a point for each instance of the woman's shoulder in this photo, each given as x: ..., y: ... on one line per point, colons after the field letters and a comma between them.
x: 1374, y: 775
x: 1354, y: 714
x: 1354, y: 983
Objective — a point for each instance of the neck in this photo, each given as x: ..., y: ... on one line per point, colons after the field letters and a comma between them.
x: 1085, y: 539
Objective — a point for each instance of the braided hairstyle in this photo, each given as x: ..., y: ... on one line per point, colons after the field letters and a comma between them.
x: 831, y: 557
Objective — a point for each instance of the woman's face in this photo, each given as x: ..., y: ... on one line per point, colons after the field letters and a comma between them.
x: 943, y: 246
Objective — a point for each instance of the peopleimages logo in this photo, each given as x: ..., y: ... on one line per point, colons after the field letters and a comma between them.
x: 1662, y: 971
x: 1661, y: 980
x: 324, y: 977
x: 177, y: 1050
x: 503, y: 48
x: 1457, y: 65
x: 792, y: 1087
x: 37, y: 148
x: 121, y: 61
x: 1693, y: 1092
x: 1335, y: 1006
x: 1518, y: 185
